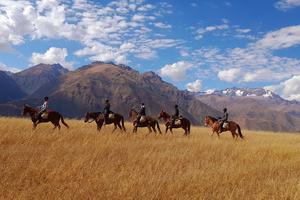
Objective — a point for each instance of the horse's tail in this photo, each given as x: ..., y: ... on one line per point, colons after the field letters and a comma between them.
x: 122, y: 121
x: 157, y: 124
x: 240, y: 132
x: 189, y: 127
x: 63, y: 121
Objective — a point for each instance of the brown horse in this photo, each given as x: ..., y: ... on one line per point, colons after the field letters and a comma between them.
x: 150, y: 122
x: 215, y: 125
x: 185, y: 124
x: 53, y: 117
x: 98, y: 117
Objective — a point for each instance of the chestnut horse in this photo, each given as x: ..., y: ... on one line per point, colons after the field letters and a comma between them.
x: 150, y: 122
x: 53, y: 117
x: 185, y: 123
x: 215, y: 125
x: 98, y: 117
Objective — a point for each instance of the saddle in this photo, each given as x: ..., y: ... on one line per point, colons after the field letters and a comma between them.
x: 111, y: 116
x: 45, y: 115
x: 177, y: 122
x: 143, y: 119
x: 225, y: 125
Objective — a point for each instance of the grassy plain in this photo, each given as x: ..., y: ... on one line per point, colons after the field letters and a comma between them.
x: 81, y: 163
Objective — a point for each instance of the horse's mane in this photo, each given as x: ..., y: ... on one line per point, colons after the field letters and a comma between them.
x: 212, y: 118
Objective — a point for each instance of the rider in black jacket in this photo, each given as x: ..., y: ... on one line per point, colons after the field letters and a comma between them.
x: 176, y: 114
x: 106, y: 111
x: 223, y: 119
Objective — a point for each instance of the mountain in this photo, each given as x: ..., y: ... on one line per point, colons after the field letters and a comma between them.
x: 9, y: 89
x: 257, y: 109
x: 87, y: 88
x: 31, y: 79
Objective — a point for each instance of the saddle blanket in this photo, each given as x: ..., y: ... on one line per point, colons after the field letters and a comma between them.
x: 225, y: 124
x: 177, y: 122
x: 45, y: 115
x: 111, y: 116
x: 143, y: 119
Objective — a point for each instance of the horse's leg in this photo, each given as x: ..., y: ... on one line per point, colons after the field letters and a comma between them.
x: 115, y: 127
x: 120, y: 127
x: 166, y: 129
x: 233, y: 134
x: 153, y: 127
x: 149, y: 128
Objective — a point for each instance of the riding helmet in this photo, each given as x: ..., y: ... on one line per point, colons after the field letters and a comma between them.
x: 106, y: 101
x: 176, y: 106
x: 46, y: 98
x: 225, y: 109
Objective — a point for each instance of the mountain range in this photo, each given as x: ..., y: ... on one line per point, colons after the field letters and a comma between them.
x: 256, y: 108
x: 75, y: 92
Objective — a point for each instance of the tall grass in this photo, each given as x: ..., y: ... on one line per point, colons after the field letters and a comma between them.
x: 81, y: 163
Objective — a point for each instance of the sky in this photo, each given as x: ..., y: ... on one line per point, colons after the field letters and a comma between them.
x: 198, y: 45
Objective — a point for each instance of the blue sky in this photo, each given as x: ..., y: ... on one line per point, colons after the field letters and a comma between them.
x: 197, y: 45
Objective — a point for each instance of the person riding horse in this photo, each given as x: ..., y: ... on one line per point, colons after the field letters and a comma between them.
x: 42, y: 109
x: 106, y: 111
x: 176, y: 115
x: 223, y: 120
x: 142, y: 112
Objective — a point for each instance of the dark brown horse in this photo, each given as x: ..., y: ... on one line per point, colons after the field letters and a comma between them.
x: 185, y: 124
x: 215, y: 125
x: 149, y: 122
x: 52, y: 117
x: 98, y: 117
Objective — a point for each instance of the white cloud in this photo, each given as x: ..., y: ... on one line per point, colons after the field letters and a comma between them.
x: 162, y: 25
x: 201, y: 31
x: 194, y: 86
x: 51, y: 56
x: 287, y: 4
x: 176, y: 71
x: 229, y: 75
x: 283, y: 38
x: 3, y: 67
x: 289, y: 89
x: 106, y: 25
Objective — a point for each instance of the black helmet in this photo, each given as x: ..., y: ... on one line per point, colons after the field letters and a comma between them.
x: 46, y: 98
x: 143, y: 104
x: 176, y: 106
x: 225, y: 109
x: 106, y: 101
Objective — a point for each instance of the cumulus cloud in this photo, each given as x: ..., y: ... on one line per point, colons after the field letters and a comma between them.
x: 87, y: 22
x: 51, y: 56
x: 3, y: 67
x: 287, y: 4
x: 176, y: 71
x: 201, y: 31
x: 289, y: 89
x: 283, y: 38
x: 194, y: 86
x: 229, y: 75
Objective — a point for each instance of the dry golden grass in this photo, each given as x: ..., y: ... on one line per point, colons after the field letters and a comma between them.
x: 81, y: 163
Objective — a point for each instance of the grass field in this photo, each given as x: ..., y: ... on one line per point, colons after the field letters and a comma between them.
x: 81, y: 163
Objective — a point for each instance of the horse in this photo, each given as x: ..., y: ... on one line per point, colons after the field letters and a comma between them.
x: 149, y: 122
x: 98, y: 117
x: 185, y: 123
x: 53, y: 117
x: 215, y: 125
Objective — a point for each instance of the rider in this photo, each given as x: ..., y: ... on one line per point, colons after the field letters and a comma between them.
x: 223, y: 119
x: 43, y: 108
x: 176, y: 114
x: 106, y: 111
x: 142, y: 112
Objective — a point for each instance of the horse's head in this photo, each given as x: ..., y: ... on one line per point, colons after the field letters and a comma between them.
x: 161, y: 114
x: 132, y: 113
x: 208, y: 120
x: 27, y: 109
